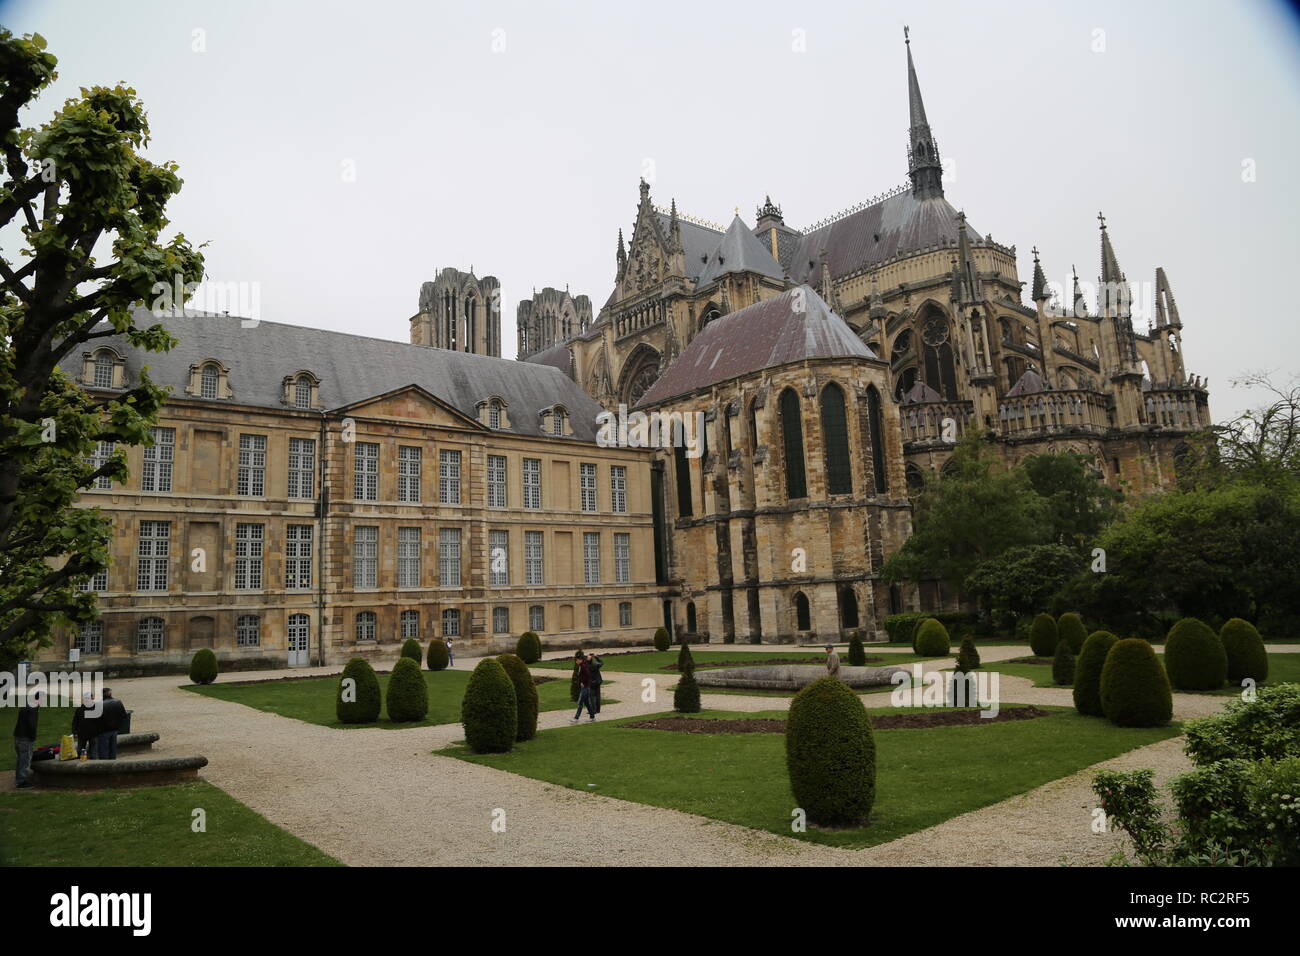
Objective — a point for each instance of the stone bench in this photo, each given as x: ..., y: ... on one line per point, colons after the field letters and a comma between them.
x: 135, y: 742
x: 117, y: 774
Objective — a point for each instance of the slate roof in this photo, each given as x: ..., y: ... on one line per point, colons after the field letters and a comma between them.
x: 698, y: 242
x: 760, y: 336
x: 1031, y: 383
x: 557, y: 356
x: 351, y: 368
x: 740, y: 251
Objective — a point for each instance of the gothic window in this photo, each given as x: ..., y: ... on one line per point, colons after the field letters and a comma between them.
x: 683, y: 471
x: 753, y: 425
x: 471, y: 321
x: 915, y: 480
x: 940, y: 372
x: 877, y: 434
x: 902, y: 344
x: 796, y: 485
x: 642, y: 372
x: 906, y: 379
x: 835, y: 441
x: 848, y: 608
x: 802, y: 616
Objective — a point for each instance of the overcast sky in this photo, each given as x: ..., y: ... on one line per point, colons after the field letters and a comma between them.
x: 337, y: 154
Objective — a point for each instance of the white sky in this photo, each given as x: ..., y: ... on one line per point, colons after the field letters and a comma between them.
x: 511, y: 136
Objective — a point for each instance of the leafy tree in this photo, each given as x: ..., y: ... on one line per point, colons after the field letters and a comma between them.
x: 1022, y: 581
x: 489, y: 712
x: 968, y: 658
x: 1043, y: 636
x: 1134, y: 687
x: 1087, y: 673
x: 1077, y: 503
x: 91, y: 212
x: 685, y: 661
x: 438, y: 658
x: 529, y: 647
x: 1194, y: 657
x: 686, y: 695
x: 662, y: 642
x: 857, y: 653
x: 411, y: 649
x: 1245, y: 649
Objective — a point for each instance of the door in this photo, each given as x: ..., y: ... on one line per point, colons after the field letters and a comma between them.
x: 299, y: 640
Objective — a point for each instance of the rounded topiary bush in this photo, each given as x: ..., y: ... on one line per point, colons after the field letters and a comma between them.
x: 358, y: 700
x: 438, y: 656
x: 529, y: 647
x: 1134, y: 687
x: 411, y: 649
x: 662, y: 642
x: 1087, y: 673
x: 203, y: 666
x: 686, y: 695
x: 1069, y: 627
x: 1063, y: 664
x: 685, y: 662
x: 830, y: 754
x: 931, y: 639
x: 857, y: 653
x: 1245, y: 650
x: 1194, y: 656
x: 968, y: 658
x: 1043, y: 636
x: 408, y: 695
x: 525, y: 695
x: 489, y: 711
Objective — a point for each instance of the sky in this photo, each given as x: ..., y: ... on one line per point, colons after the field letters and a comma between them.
x: 337, y: 155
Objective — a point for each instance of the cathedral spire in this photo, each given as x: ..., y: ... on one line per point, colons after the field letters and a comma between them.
x: 923, y: 166
x: 1080, y: 306
x: 674, y: 229
x: 622, y: 255
x: 1115, y: 296
x: 1166, y: 308
x: 1039, y: 293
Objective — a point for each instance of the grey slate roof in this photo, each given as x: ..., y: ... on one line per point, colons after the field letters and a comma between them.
x: 740, y: 251
x: 764, y: 335
x: 698, y: 242
x: 557, y: 356
x: 351, y: 368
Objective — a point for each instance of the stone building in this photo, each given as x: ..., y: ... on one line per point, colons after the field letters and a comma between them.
x: 460, y: 313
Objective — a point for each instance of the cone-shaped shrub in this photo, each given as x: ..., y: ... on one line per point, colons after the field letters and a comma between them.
x: 830, y: 754
x: 1245, y: 650
x: 358, y: 702
x: 408, y: 696
x: 1043, y: 636
x: 529, y: 648
x: 438, y: 656
x: 686, y: 695
x: 857, y: 653
x: 411, y: 649
x: 1134, y: 687
x: 525, y: 695
x: 1087, y: 673
x: 685, y: 662
x: 203, y: 666
x: 1063, y: 664
x: 1069, y: 627
x: 968, y: 658
x: 490, y: 711
x: 931, y: 639
x: 662, y: 643
x: 1194, y: 656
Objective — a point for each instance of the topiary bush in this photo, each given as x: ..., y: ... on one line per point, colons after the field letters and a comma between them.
x: 1134, y: 687
x: 203, y: 666
x: 1087, y: 673
x: 358, y: 702
x: 1063, y: 664
x: 1043, y: 636
x: 968, y: 658
x: 529, y: 647
x: 489, y: 711
x: 685, y: 662
x: 438, y: 657
x: 1194, y: 656
x: 662, y: 642
x: 408, y: 695
x: 931, y: 639
x: 857, y: 653
x: 686, y: 695
x: 525, y: 695
x: 1247, y: 658
x: 411, y: 649
x: 1069, y: 627
x: 830, y: 754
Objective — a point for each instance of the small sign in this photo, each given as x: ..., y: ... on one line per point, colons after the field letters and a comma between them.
x: 74, y: 655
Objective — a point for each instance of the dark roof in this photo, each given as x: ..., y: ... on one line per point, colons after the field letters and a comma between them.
x: 351, y: 368
x: 740, y: 251
x: 557, y: 356
x: 760, y: 336
x: 698, y: 242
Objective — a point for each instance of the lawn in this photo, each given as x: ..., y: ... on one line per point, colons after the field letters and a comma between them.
x: 145, y: 827
x: 665, y: 662
x: 1282, y: 669
x: 923, y: 776
x: 312, y: 699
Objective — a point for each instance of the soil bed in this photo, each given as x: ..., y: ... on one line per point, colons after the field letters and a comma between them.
x: 947, y: 718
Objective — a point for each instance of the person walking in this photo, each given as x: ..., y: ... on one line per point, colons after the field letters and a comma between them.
x: 594, y: 664
x: 25, y: 741
x: 111, y: 719
x: 84, y: 727
x: 584, y: 689
x: 451, y: 657
x: 832, y: 661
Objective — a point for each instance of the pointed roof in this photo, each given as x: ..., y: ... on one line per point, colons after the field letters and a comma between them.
x: 1040, y: 280
x: 919, y: 393
x: 916, y: 108
x: 1166, y: 308
x: 1031, y: 383
x: 740, y: 251
x: 1110, y: 270
x: 697, y: 241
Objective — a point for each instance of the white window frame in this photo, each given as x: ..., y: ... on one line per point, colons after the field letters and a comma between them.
x: 249, y: 548
x: 408, y: 557
x: 156, y: 472
x: 534, y: 559
x: 365, y: 556
x: 298, y: 556
x: 248, y: 631
x: 302, y: 468
x: 251, y: 482
x: 587, y: 485
x: 591, y: 557
x: 365, y: 471
x: 496, y: 481
x: 153, y: 554
x: 622, y: 557
x: 449, y: 557
x: 618, y: 489
x: 498, y: 538
x: 448, y: 476
x: 501, y: 620
x: 532, y: 469
x: 408, y: 473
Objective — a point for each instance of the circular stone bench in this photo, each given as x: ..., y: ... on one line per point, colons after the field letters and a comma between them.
x: 793, y: 676
x: 117, y: 774
x: 135, y: 742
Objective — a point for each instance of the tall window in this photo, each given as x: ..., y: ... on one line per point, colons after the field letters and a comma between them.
x: 494, y: 415
x: 157, y: 472
x: 536, y: 618
x: 366, y: 625
x: 451, y: 622
x: 622, y: 557
x: 496, y: 481
x: 835, y: 439
x: 796, y: 485
x: 685, y: 508
x: 365, y: 557
x: 89, y: 638
x: 618, y: 489
x: 498, y: 558
x: 151, y: 555
x: 297, y: 556
x: 591, y: 557
x: 532, y: 558
x: 587, y: 485
x: 532, y: 482
x: 366, y: 471
x: 104, y: 369
x: 302, y: 467
x: 408, y: 557
x: 557, y: 422
x: 410, y: 624
x: 248, y: 556
x: 248, y: 631
x: 449, y: 557
x: 97, y: 582
x: 624, y: 613
x: 252, y: 466
x: 408, y: 473
x: 448, y: 477
x: 149, y: 634
x: 299, y: 631
x: 501, y: 620
x: 208, y: 381
x: 302, y: 392
x: 877, y: 439
x: 103, y: 452
x: 593, y: 616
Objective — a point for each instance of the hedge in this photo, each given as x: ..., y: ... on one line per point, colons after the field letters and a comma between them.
x: 686, y: 695
x: 1087, y: 673
x: 1134, y: 687
x: 408, y: 695
x: 1194, y: 656
x: 411, y: 649
x: 489, y: 711
x: 1063, y: 664
x: 1247, y: 658
x: 662, y: 641
x: 830, y: 754
x: 901, y: 628
x: 1043, y: 635
x: 364, y: 707
x: 529, y: 647
x: 438, y: 657
x: 1069, y: 627
x: 203, y: 666
x: 525, y: 695
x: 857, y: 653
x: 931, y: 639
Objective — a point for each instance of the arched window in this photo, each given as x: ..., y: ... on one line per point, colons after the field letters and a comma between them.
x: 848, y: 609
x: 149, y: 634
x: 248, y: 631
x: 557, y: 421
x: 915, y: 480
x: 835, y: 442
x: 904, y: 382
x: 796, y: 484
x: 302, y: 392
x: 876, y: 432
x: 901, y: 344
x: 365, y: 625
x: 451, y: 622
x: 208, y: 380
x: 690, y: 617
x: 471, y: 321
x: 104, y: 364
x: 802, y: 617
x: 409, y: 621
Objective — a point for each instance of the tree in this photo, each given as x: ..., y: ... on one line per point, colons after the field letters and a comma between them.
x: 529, y: 647
x: 1063, y: 664
x: 411, y: 649
x: 1194, y: 657
x: 686, y: 695
x: 438, y: 658
x: 1043, y: 636
x: 1087, y: 673
x: 1077, y: 503
x: 857, y: 653
x: 1022, y: 581
x: 1247, y: 658
x: 91, y: 211
x: 1134, y: 688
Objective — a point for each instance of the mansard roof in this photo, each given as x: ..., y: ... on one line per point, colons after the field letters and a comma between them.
x: 792, y: 327
x: 740, y: 250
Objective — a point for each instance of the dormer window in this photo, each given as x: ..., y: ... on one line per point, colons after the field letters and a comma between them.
x: 209, y: 381
x: 104, y: 366
x: 557, y: 423
x: 100, y: 369
x: 492, y: 413
x: 301, y: 390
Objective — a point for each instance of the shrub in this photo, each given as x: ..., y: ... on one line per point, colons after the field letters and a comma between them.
x: 363, y: 707
x: 1069, y: 627
x: 1266, y: 727
x: 968, y: 658
x: 1087, y: 673
x: 686, y: 695
x: 203, y: 666
x: 489, y: 711
x: 685, y: 662
x: 408, y: 696
x: 1023, y: 626
x: 1043, y: 636
x: 931, y: 639
x: 1245, y: 649
x: 411, y: 649
x: 1063, y: 664
x: 525, y: 695
x: 438, y: 657
x: 662, y: 642
x: 830, y: 754
x: 901, y: 628
x: 529, y: 647
x: 857, y: 653
x: 1134, y: 687
x: 1194, y: 657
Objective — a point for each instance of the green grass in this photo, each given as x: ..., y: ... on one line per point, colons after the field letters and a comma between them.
x: 655, y: 662
x: 312, y: 699
x: 923, y: 776
x: 1282, y: 669
x: 144, y: 827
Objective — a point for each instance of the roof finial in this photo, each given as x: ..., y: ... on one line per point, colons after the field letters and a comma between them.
x: 1102, y: 220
